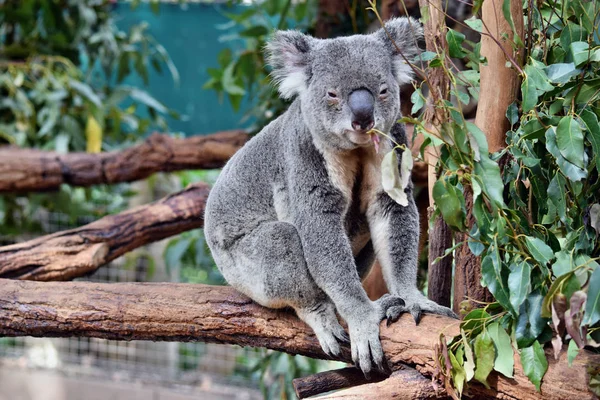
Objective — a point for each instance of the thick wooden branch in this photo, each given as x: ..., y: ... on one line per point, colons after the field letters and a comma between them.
x: 402, y: 384
x: 336, y: 379
x: 25, y: 170
x: 180, y: 312
x: 76, y: 252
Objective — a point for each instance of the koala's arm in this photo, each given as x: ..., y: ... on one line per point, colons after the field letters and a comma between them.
x: 395, y: 235
x: 318, y: 216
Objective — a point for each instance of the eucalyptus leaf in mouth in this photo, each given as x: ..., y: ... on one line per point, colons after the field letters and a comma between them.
x: 374, y: 139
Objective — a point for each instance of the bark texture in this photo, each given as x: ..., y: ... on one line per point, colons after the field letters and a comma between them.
x: 439, y: 275
x: 327, y: 381
x: 184, y: 312
x: 25, y: 170
x: 440, y: 236
x: 402, y: 384
x: 491, y: 118
x: 76, y: 252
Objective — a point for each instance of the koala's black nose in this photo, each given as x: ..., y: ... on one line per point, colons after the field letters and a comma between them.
x: 361, y: 103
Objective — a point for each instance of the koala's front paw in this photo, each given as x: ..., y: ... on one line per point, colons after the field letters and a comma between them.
x: 416, y: 304
x: 364, y: 337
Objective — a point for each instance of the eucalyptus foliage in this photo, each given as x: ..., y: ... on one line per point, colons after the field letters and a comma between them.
x: 537, y: 219
x: 62, y: 67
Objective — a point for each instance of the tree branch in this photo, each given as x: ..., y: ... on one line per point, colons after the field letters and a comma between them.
x: 25, y: 170
x: 76, y: 252
x: 184, y: 312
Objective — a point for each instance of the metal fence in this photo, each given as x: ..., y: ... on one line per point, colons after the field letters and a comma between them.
x: 162, y: 363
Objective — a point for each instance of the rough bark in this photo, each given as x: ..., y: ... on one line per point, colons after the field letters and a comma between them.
x: 439, y: 275
x: 76, y: 252
x: 24, y: 170
x: 402, y: 384
x: 327, y: 381
x: 184, y: 312
x: 499, y: 88
x: 440, y: 236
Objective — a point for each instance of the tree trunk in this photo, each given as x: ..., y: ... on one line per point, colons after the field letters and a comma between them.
x: 25, y: 170
x: 76, y: 252
x: 184, y: 312
x: 440, y: 237
x: 499, y: 88
x: 439, y: 275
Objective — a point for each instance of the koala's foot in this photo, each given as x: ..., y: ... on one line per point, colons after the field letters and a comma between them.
x: 323, y: 321
x: 416, y: 304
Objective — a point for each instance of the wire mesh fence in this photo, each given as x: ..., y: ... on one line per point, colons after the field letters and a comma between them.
x: 165, y: 363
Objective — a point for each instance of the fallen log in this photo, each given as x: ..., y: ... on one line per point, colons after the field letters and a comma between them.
x: 183, y: 312
x: 26, y: 170
x: 77, y: 252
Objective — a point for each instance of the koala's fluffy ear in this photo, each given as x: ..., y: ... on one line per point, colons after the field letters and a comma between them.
x: 288, y: 55
x: 406, y: 33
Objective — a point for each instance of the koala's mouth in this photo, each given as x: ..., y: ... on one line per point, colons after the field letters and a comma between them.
x: 359, y: 138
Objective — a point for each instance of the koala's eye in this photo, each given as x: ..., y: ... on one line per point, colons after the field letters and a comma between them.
x: 383, y: 91
x: 332, y: 95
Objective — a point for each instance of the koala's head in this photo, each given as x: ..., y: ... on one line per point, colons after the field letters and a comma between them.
x: 346, y: 85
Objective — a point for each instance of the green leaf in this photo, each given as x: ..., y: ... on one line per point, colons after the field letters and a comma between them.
x: 475, y: 23
x: 390, y: 178
x: 489, y: 172
x: 519, y: 283
x: 255, y: 31
x: 557, y: 195
x: 571, y: 33
x: 458, y: 373
x: 592, y: 306
x: 512, y: 113
x: 555, y: 288
x: 86, y: 91
x: 572, y: 351
x: 145, y: 98
x: 569, y: 138
x: 508, y: 17
x: 535, y: 364
x: 593, y: 127
x: 495, y: 278
x: 229, y: 84
x: 417, y: 100
x: 529, y: 94
x: 538, y: 77
x: 579, y: 52
x: 561, y: 73
x: 571, y: 171
x: 540, y: 251
x: 484, y: 355
x: 446, y: 197
x: 530, y: 323
x: 455, y: 40
x: 563, y: 263
x: 504, y: 362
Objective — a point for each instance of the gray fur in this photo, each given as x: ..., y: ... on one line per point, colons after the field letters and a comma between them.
x: 298, y: 214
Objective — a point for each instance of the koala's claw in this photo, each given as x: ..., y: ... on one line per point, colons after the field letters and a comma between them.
x: 416, y: 308
x: 343, y: 337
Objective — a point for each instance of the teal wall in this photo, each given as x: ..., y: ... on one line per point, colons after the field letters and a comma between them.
x: 190, y: 35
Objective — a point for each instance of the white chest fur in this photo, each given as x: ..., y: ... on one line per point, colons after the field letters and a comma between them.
x: 344, y: 168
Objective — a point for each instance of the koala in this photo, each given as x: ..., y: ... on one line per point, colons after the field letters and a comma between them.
x: 298, y: 215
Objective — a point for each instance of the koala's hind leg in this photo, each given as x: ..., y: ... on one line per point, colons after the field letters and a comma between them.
x: 270, y: 267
